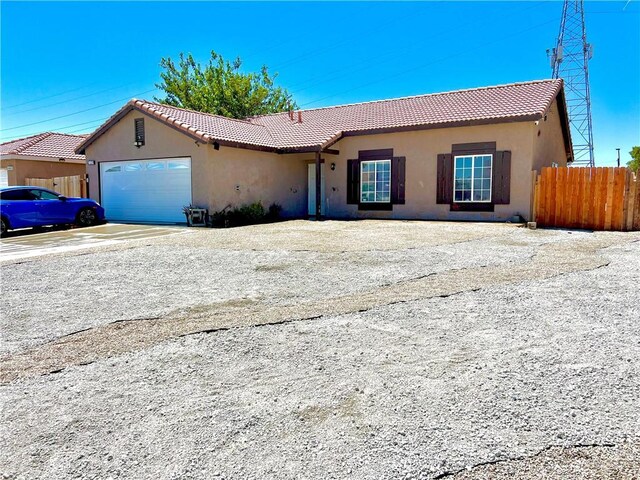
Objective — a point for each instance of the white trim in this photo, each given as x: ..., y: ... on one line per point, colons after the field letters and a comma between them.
x: 473, y: 161
x: 375, y: 188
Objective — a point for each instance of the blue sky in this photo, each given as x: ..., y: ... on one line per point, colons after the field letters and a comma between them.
x: 68, y: 66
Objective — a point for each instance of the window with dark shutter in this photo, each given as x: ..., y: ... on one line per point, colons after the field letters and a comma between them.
x: 378, y: 191
x: 463, y: 177
x: 139, y: 132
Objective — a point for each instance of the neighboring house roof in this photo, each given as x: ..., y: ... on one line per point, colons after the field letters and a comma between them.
x: 321, y: 127
x: 47, y: 144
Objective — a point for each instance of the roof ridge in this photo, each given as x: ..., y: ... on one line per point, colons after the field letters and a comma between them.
x: 195, y: 111
x: 474, y: 89
x: 68, y: 134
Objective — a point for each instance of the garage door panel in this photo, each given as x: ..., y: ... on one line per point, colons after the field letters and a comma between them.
x: 146, y: 191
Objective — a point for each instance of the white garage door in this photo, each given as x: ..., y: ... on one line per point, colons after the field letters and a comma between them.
x: 152, y: 191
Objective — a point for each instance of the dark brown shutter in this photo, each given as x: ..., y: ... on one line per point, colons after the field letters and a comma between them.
x: 501, y: 190
x: 398, y: 180
x: 380, y: 154
x: 444, y: 188
x: 353, y: 181
x: 473, y: 148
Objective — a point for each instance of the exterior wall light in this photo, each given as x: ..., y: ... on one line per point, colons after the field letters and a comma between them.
x: 333, y: 166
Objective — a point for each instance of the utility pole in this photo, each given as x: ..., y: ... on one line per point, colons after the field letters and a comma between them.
x: 570, y: 61
x: 618, y: 156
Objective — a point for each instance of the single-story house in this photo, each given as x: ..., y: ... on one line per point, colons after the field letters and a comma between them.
x: 462, y: 155
x: 46, y: 155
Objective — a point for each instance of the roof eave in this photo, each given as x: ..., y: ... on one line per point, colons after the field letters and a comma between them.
x: 564, y: 122
x: 453, y: 124
x: 41, y: 158
x: 409, y: 128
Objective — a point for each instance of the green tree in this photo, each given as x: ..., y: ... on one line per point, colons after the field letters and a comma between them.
x: 634, y: 163
x: 220, y: 88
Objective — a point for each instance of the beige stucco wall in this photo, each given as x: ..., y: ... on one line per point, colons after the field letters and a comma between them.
x: 22, y: 168
x: 421, y: 149
x: 258, y: 176
x: 236, y: 176
x: 232, y: 176
x: 548, y: 143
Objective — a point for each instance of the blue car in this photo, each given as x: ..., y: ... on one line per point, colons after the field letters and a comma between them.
x: 23, y: 207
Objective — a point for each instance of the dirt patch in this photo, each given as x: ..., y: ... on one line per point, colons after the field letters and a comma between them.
x: 590, y: 462
x: 113, y: 339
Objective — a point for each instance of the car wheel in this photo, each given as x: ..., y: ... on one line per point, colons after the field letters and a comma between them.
x: 86, y: 217
x: 3, y: 226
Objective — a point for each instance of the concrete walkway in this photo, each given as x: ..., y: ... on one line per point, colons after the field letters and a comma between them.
x: 25, y: 243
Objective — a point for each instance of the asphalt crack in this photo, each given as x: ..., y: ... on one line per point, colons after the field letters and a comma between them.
x: 124, y: 336
x: 453, y: 473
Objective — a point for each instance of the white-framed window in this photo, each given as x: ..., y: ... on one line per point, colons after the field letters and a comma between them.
x: 133, y: 167
x: 178, y: 165
x: 472, y: 178
x: 375, y: 181
x: 155, y: 165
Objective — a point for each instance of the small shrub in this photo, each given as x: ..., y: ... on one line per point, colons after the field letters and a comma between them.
x: 250, y: 214
x: 273, y: 215
x: 219, y: 219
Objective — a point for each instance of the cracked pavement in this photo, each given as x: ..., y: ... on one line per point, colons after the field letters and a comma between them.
x: 361, y: 349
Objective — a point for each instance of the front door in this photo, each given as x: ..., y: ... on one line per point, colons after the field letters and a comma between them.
x: 311, y: 201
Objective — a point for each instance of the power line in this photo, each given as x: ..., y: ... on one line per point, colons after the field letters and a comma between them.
x: 63, y: 128
x: 334, y: 45
x: 367, y: 65
x: 5, y: 107
x: 418, y: 67
x: 78, y: 112
x: 78, y: 130
x: 72, y: 100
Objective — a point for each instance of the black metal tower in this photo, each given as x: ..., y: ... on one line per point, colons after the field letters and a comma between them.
x: 570, y: 61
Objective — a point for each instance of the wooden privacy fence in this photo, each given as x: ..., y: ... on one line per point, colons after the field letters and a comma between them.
x: 591, y: 198
x: 72, y: 186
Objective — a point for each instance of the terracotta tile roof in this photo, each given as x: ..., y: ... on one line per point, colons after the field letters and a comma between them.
x: 47, y: 144
x: 321, y: 127
x: 487, y: 105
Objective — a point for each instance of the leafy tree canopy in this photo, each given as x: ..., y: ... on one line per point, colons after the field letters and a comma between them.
x: 220, y: 88
x: 634, y: 164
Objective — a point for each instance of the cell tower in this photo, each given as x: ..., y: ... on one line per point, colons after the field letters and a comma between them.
x: 570, y: 61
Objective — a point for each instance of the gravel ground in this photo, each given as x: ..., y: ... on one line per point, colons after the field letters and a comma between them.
x: 269, y: 264
x: 428, y: 350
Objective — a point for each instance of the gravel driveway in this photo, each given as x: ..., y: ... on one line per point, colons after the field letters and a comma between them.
x: 326, y: 350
